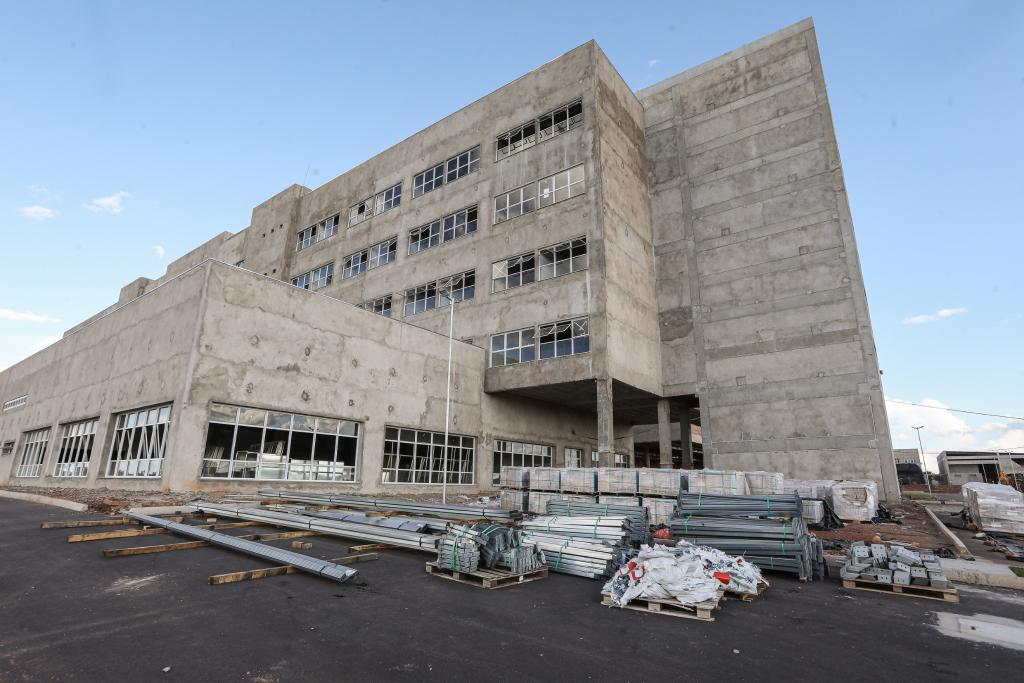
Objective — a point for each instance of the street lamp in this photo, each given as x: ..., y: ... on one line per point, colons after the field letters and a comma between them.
x: 920, y: 447
x: 449, y: 285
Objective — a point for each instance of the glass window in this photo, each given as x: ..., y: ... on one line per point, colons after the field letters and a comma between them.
x: 383, y: 253
x: 563, y: 258
x: 33, y: 453
x: 139, y: 443
x: 545, y: 126
x: 355, y: 264
x: 76, y: 449
x: 510, y: 348
x: 301, y: 281
x: 513, y: 272
x: 447, y: 171
x: 512, y: 204
x: 518, y: 454
x: 573, y: 457
x: 380, y: 306
x: 413, y: 456
x: 288, y: 447
x: 429, y: 180
x: 564, y: 338
x: 322, y: 276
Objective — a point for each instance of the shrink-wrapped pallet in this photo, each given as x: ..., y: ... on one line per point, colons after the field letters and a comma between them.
x: 764, y: 483
x: 814, y: 511
x: 545, y: 478
x: 538, y: 501
x: 819, y: 489
x: 512, y: 500
x: 618, y: 500
x: 994, y: 507
x: 855, y: 501
x: 659, y: 509
x: 579, y: 479
x: 655, y: 481
x: 514, y: 477
x: 579, y: 498
x: 617, y: 480
x: 725, y: 482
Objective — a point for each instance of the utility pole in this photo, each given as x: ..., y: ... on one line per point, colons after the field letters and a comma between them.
x: 920, y: 448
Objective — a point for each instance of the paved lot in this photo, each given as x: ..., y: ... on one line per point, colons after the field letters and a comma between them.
x: 69, y: 614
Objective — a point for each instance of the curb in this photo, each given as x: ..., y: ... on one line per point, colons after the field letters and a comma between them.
x: 45, y: 500
x: 982, y: 573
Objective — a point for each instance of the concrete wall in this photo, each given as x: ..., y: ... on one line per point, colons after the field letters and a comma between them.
x: 764, y: 308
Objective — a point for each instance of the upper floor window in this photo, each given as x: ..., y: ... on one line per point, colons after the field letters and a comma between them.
x: 316, y: 233
x: 317, y: 278
x: 547, y: 262
x: 377, y: 204
x: 426, y: 297
x: 513, y: 347
x: 450, y: 170
x: 542, y: 128
x: 14, y: 403
x: 513, y: 272
x: 443, y: 229
x: 545, y: 192
x: 368, y: 259
x: 380, y: 306
x: 550, y: 340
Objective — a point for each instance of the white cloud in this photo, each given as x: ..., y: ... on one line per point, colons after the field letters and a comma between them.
x: 652, y: 63
x: 932, y: 317
x: 43, y: 342
x: 992, y: 427
x: 25, y: 316
x: 159, y: 251
x: 37, y: 213
x: 111, y: 204
x: 943, y: 431
x: 1012, y: 439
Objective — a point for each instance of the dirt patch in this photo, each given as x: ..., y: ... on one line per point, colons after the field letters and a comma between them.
x: 916, y: 529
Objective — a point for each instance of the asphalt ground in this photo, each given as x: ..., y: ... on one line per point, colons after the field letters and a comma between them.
x: 69, y: 614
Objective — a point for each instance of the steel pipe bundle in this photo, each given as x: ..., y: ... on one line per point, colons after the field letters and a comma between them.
x: 442, y: 510
x: 590, y: 559
x: 638, y: 517
x: 329, y: 527
x: 723, y: 505
x: 611, y: 529
x: 421, y: 525
x: 312, y: 565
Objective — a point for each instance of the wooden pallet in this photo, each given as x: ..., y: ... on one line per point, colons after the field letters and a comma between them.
x: 487, y: 578
x: 945, y: 594
x: 673, y: 608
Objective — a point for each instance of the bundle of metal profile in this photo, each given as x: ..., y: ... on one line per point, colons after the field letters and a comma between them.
x: 420, y: 525
x: 522, y: 558
x: 724, y: 505
x: 466, y: 548
x: 313, y: 565
x: 611, y: 529
x: 580, y: 557
x: 458, y: 553
x: 639, y: 521
x: 330, y: 527
x: 442, y: 510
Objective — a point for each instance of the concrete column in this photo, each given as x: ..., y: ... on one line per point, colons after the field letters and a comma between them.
x: 686, y: 436
x: 605, y: 424
x: 664, y: 433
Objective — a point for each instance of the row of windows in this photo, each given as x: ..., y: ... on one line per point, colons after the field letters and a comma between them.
x: 542, y: 128
x: 137, y: 446
x: 368, y: 259
x: 445, y: 172
x: 550, y: 340
x: 380, y: 305
x: 375, y: 205
x: 444, y: 229
x: 440, y: 293
x: 544, y: 192
x: 317, y: 233
x: 14, y: 403
x: 318, y: 278
x: 558, y: 259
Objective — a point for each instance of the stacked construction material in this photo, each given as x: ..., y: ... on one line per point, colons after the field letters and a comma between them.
x: 510, y: 499
x: 618, y: 500
x: 514, y: 477
x: 467, y: 548
x: 538, y: 501
x: 893, y: 565
x: 767, y: 530
x: 418, y: 524
x: 584, y: 546
x: 653, y: 481
x: 373, y: 533
x: 458, y: 552
x: 545, y: 478
x: 579, y: 480
x: 725, y: 482
x: 522, y: 558
x: 639, y: 522
x: 994, y: 507
x: 659, y: 510
x: 813, y: 511
x: 445, y: 511
x: 818, y: 489
x: 617, y: 480
x: 763, y: 483
x: 855, y: 501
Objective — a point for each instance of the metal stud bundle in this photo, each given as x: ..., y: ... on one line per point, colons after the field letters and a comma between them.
x: 458, y: 552
x: 467, y: 548
x: 446, y: 511
x: 767, y: 530
x: 639, y: 522
x: 590, y: 559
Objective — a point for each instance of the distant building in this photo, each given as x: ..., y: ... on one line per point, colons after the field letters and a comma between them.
x: 907, y: 456
x: 960, y: 467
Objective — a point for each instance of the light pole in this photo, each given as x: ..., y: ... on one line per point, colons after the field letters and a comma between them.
x: 920, y: 447
x: 448, y: 390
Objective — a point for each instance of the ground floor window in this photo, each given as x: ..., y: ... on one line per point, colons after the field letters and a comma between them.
x: 518, y: 454
x: 574, y: 457
x: 76, y: 449
x: 415, y: 456
x: 33, y: 453
x: 252, y: 443
x: 139, y: 443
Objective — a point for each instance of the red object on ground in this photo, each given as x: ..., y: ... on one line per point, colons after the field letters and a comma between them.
x: 663, y: 534
x: 723, y: 577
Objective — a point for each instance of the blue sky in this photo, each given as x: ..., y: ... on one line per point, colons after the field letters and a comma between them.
x: 132, y: 132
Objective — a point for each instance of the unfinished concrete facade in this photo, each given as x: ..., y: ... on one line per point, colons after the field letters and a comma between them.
x: 616, y: 259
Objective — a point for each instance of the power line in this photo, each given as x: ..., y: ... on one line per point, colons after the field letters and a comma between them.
x: 955, y: 410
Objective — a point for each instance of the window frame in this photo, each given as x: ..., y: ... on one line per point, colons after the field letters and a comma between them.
x: 14, y: 403
x: 526, y: 139
x: 500, y: 347
x: 381, y: 305
x: 573, y: 186
x: 75, y: 453
x: 35, y: 444
x: 435, y: 449
x: 318, y: 232
x: 430, y: 293
x: 451, y: 169
x: 444, y: 229
x: 378, y: 203
x: 519, y: 448
x: 125, y: 428
x: 578, y: 343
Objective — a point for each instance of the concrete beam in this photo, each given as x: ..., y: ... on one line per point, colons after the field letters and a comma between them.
x: 686, y: 436
x: 664, y: 433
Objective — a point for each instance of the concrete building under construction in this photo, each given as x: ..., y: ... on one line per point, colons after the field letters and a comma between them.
x: 621, y: 264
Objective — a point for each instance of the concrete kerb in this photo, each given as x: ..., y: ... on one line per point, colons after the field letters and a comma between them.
x: 45, y: 500
x: 982, y: 573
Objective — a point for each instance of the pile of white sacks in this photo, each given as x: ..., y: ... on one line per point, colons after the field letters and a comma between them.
x: 688, y: 573
x: 994, y: 507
